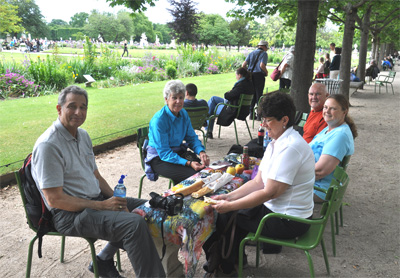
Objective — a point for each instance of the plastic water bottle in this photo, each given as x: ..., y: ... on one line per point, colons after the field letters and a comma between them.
x: 120, y: 189
x: 266, y: 140
x: 260, y: 137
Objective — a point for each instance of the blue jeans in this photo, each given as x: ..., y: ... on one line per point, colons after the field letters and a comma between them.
x: 212, y: 103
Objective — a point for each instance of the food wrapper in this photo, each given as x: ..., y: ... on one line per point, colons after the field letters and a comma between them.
x: 213, y: 186
x: 211, y: 178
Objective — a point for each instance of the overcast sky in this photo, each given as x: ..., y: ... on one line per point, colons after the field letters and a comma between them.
x: 61, y: 9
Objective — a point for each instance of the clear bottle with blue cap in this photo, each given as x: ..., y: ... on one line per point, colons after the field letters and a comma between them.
x: 120, y: 189
x: 267, y: 140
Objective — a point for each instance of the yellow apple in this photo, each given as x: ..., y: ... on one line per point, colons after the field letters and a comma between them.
x: 239, y: 168
x: 231, y: 170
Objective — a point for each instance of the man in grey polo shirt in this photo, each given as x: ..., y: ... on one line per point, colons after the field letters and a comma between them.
x: 80, y: 199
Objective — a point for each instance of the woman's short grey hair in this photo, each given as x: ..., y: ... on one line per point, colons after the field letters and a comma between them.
x: 174, y: 87
x: 72, y: 90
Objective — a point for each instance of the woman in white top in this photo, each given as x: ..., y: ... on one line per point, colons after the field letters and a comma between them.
x: 284, y: 184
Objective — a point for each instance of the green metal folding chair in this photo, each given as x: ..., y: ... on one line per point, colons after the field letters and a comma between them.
x: 244, y: 101
x: 313, y: 237
x: 91, y: 241
x: 198, y: 116
x: 142, y: 135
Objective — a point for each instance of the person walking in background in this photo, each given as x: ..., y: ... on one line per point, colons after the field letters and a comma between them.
x: 125, y: 50
x: 335, y: 65
x: 256, y: 63
x: 332, y: 48
x: 286, y: 68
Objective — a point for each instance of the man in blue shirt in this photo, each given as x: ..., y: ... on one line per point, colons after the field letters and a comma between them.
x: 168, y: 128
x: 256, y: 63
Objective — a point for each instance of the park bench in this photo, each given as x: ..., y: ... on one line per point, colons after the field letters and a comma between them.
x: 356, y: 85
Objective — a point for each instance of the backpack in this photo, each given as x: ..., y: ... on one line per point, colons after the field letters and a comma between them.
x: 36, y: 211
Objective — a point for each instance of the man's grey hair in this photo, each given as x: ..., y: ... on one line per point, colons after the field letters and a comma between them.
x: 72, y: 90
x: 174, y: 87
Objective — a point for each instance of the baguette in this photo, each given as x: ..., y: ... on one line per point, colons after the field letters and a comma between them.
x: 205, y: 190
x: 210, y: 201
x: 190, y: 189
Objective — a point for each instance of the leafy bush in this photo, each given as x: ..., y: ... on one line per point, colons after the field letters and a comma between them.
x: 15, y: 85
x: 171, y: 71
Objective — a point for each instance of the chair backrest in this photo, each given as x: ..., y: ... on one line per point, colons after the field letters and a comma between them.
x: 336, y: 192
x: 197, y: 115
x: 332, y: 85
x: 244, y: 100
x: 142, y: 135
x: 391, y: 75
x: 345, y: 162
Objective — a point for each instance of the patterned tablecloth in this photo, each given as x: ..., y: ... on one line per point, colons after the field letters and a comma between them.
x: 192, y: 227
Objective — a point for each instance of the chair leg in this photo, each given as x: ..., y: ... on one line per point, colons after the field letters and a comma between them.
x: 392, y: 87
x: 29, y: 261
x: 341, y: 215
x: 62, y: 248
x: 241, y: 252
x: 258, y: 254
x: 140, y: 186
x: 171, y: 183
x: 333, y: 236
x: 219, y: 132
x: 248, y: 129
x: 204, y: 139
x: 310, y: 263
x: 237, y: 139
x: 337, y: 222
x: 94, y: 259
x: 119, y: 261
x: 325, y: 256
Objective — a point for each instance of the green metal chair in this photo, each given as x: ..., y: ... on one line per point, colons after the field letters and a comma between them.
x: 91, y: 241
x: 300, y: 121
x: 245, y: 100
x: 313, y: 237
x: 384, y: 80
x: 142, y: 135
x: 338, y: 213
x: 198, y: 116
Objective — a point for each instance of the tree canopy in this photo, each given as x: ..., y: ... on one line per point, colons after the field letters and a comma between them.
x: 9, y: 19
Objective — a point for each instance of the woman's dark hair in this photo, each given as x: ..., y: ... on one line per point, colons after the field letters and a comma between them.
x: 278, y: 104
x: 344, y: 104
x: 338, y: 50
x: 243, y: 72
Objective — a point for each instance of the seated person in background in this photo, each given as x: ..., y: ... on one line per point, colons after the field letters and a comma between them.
x: 372, y: 70
x: 190, y: 97
x: 321, y: 68
x: 284, y: 184
x: 243, y: 85
x: 386, y: 64
x: 333, y: 143
x: 317, y: 95
x: 168, y: 128
x: 326, y: 66
x: 80, y: 199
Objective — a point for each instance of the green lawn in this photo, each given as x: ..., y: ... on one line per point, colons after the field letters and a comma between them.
x: 110, y: 111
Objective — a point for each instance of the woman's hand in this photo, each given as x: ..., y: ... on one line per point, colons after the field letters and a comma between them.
x: 205, y: 160
x: 223, y: 206
x: 196, y: 166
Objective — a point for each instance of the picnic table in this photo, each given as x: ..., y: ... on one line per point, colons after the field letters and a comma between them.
x: 195, y: 223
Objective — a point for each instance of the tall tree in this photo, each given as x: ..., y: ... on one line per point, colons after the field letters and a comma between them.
x: 136, y: 5
x: 163, y: 32
x: 214, y: 29
x: 79, y: 19
x: 32, y: 19
x: 240, y: 29
x: 186, y: 20
x: 302, y: 12
x: 58, y: 22
x: 103, y: 25
x: 9, y: 20
x: 143, y: 25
